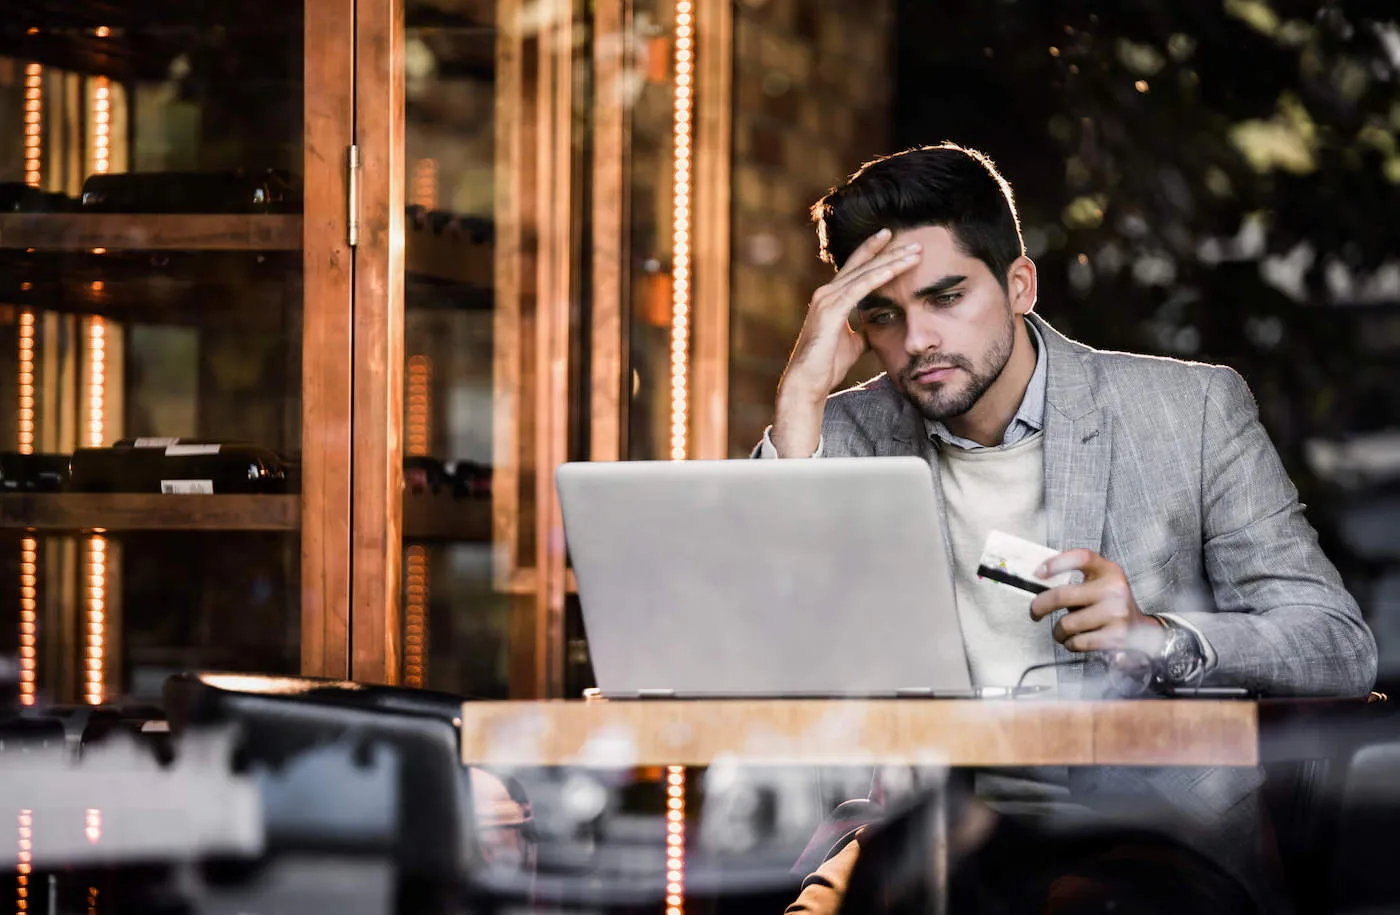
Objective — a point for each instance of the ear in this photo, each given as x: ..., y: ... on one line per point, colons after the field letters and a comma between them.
x: 1021, y: 285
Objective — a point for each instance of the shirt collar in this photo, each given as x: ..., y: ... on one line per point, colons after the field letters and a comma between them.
x: 1030, y: 416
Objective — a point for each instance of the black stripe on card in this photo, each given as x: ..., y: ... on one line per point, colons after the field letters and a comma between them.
x: 1007, y: 578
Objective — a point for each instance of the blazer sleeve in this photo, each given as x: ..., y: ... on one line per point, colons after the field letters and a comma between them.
x: 1283, y: 622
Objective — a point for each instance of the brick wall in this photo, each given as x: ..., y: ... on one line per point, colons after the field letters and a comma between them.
x: 812, y: 83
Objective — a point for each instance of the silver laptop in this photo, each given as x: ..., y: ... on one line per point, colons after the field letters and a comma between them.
x: 763, y: 578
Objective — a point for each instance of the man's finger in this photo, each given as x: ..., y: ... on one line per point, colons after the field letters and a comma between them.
x: 1080, y: 560
x: 1080, y: 622
x: 846, y: 292
x: 857, y: 273
x: 1070, y: 596
x: 868, y: 249
x: 1098, y: 640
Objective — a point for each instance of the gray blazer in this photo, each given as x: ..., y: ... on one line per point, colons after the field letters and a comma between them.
x: 1163, y: 467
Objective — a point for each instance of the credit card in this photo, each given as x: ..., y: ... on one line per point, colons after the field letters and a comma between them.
x: 1011, y: 561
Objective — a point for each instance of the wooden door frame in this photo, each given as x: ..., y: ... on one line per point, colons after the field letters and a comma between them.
x: 535, y: 289
x: 714, y: 117
x: 614, y: 56
x: 376, y: 550
x: 327, y: 274
x: 352, y: 351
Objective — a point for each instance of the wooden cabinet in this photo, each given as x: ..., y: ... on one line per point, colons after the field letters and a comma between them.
x: 174, y: 234
x: 434, y: 303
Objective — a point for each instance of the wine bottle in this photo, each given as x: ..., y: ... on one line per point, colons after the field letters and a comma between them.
x: 33, y: 472
x: 178, y: 466
x: 17, y: 197
x: 266, y: 191
x: 425, y: 474
x: 461, y: 479
x: 471, y: 480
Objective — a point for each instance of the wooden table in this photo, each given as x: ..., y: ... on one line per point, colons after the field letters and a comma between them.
x: 920, y: 733
x: 1021, y: 732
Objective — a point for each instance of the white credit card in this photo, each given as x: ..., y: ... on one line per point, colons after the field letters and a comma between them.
x: 1010, y: 561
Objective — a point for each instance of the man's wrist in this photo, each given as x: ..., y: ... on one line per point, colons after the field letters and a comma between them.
x: 797, y: 396
x: 797, y: 424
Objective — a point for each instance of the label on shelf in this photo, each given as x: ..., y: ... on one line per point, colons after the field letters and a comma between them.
x: 187, y: 487
x: 180, y: 450
x: 154, y: 442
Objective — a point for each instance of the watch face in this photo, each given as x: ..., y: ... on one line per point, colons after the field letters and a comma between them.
x: 1179, y: 656
x: 1179, y: 667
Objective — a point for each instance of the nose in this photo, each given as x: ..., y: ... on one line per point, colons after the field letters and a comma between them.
x: 922, y: 334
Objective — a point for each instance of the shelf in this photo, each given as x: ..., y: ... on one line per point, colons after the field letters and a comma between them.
x: 79, y: 511
x: 151, y: 232
x: 450, y: 256
x: 440, y: 517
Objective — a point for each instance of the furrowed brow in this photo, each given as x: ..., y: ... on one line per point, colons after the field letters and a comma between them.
x: 937, y: 288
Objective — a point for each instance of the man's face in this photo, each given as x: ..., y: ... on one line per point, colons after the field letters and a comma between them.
x: 943, y: 329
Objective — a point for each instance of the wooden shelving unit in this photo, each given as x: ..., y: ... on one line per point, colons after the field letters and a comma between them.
x: 150, y: 232
x: 426, y: 516
x: 440, y: 517
x: 78, y: 511
x: 451, y: 256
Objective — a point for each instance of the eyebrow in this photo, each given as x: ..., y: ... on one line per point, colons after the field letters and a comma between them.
x: 937, y: 288
x: 876, y: 301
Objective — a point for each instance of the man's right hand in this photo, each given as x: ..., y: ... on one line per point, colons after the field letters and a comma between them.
x: 827, y: 347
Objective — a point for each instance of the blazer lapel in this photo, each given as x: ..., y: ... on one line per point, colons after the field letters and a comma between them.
x: 1077, y: 459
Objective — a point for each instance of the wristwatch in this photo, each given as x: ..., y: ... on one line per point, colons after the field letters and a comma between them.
x: 1180, y: 659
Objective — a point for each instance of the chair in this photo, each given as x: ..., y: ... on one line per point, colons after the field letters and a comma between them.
x: 282, y: 717
x: 1364, y: 877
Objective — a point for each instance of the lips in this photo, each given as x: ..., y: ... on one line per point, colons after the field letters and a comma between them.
x: 935, y: 374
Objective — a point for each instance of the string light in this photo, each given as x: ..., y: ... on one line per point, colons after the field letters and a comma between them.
x: 420, y: 374
x: 675, y: 840
x: 680, y: 229
x: 33, y: 123
x: 94, y: 680
x: 425, y: 184
x: 28, y: 619
x: 24, y: 861
x: 94, y: 672
x: 102, y: 125
x: 415, y: 639
x: 97, y: 380
x: 26, y: 382
x: 94, y: 685
x: 28, y: 546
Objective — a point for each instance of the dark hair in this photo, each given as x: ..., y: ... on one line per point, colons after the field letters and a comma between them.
x: 945, y: 185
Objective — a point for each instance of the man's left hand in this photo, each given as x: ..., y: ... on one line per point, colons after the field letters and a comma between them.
x: 1102, y: 613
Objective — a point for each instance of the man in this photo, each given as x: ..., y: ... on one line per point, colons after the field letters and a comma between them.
x: 1153, y: 477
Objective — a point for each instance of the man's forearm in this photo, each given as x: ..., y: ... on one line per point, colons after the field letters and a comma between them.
x: 1289, y: 651
x: 1286, y: 623
x: 797, y: 425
